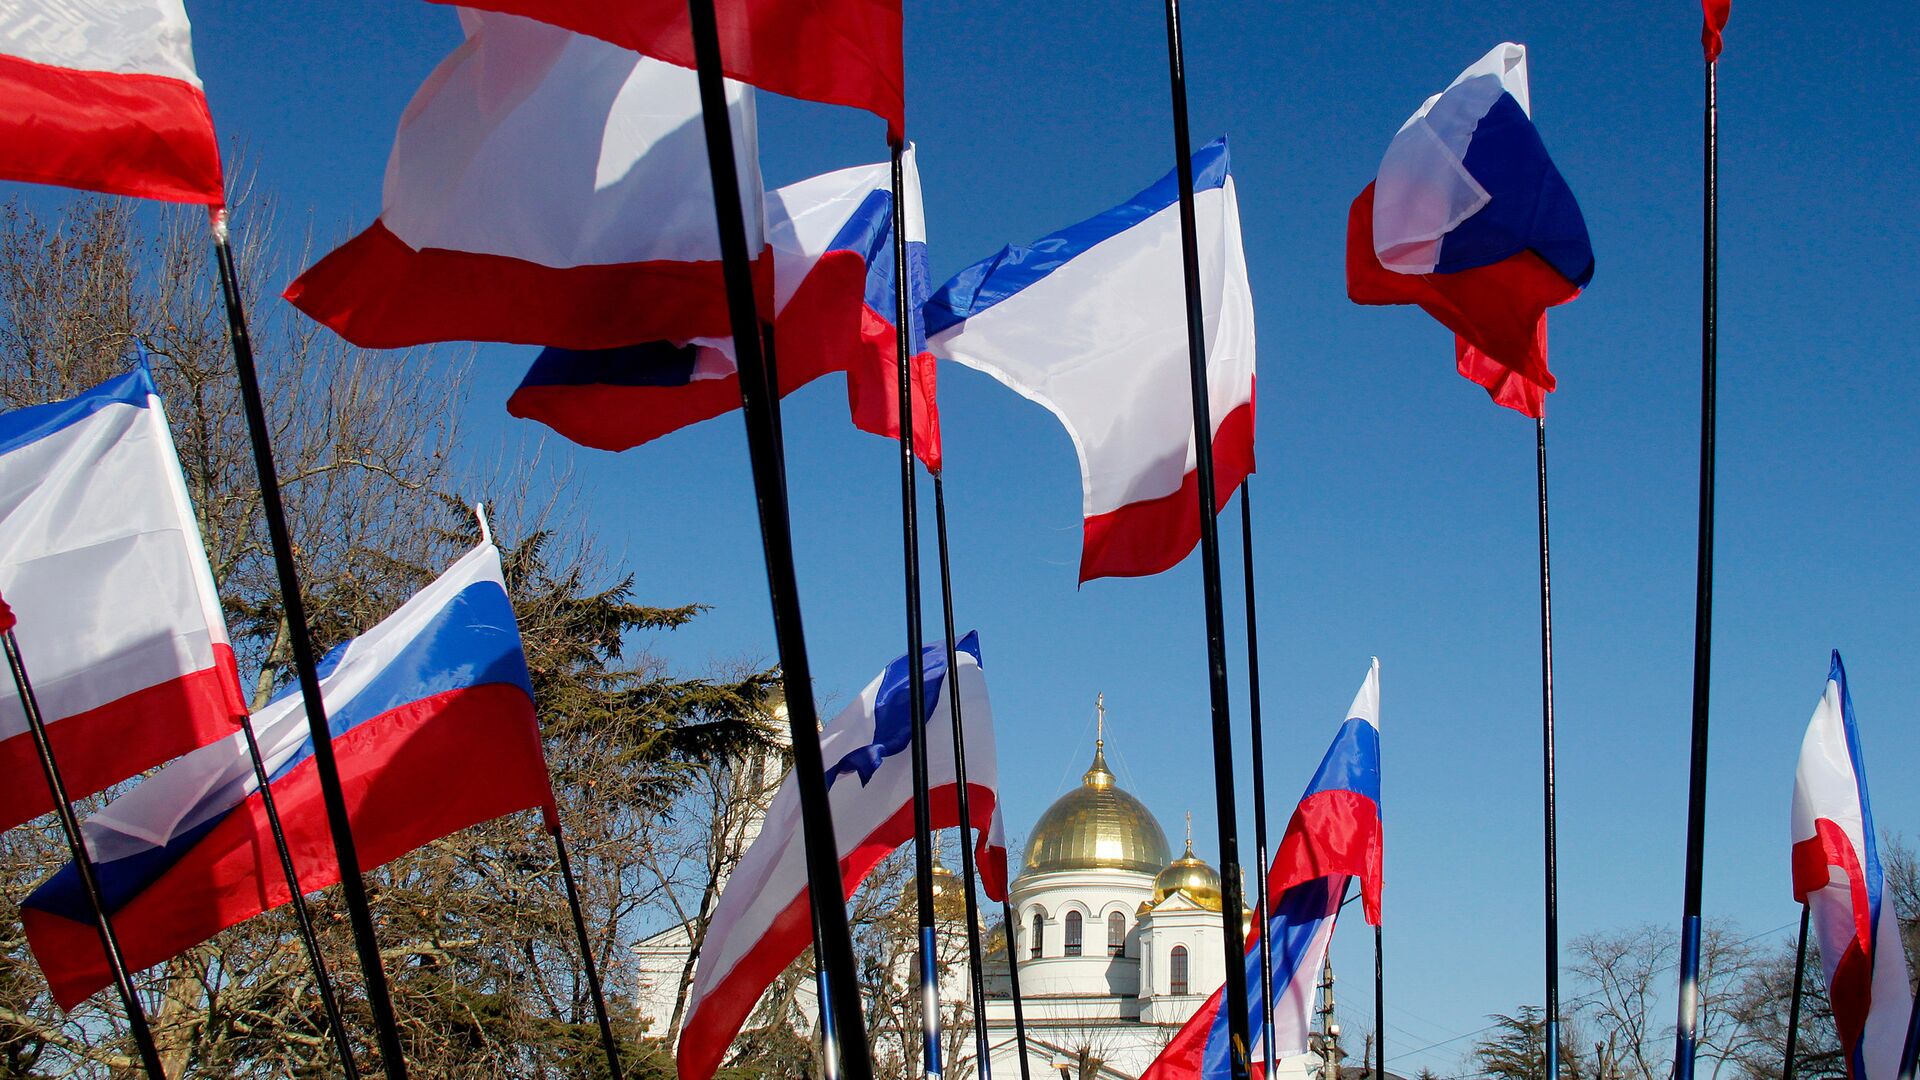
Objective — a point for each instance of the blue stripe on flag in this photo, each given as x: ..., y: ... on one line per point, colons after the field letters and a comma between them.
x: 1352, y: 762
x: 35, y: 422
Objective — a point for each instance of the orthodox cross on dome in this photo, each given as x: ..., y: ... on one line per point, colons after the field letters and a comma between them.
x: 1189, y: 830
x: 1099, y: 720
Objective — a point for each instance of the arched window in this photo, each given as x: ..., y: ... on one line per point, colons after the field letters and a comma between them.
x: 1178, y: 969
x: 1116, y: 934
x: 1073, y: 933
x: 1039, y: 934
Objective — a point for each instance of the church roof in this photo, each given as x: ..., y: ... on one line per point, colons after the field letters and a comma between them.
x: 1097, y: 826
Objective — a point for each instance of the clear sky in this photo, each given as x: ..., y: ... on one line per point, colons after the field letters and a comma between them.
x: 1394, y: 504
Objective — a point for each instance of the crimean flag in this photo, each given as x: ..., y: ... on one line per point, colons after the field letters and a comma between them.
x: 119, y: 623
x: 544, y: 188
x: 1837, y: 872
x: 831, y: 238
x: 1091, y: 322
x: 102, y: 95
x: 842, y: 52
x: 762, y: 922
x: 1469, y: 219
x: 1334, y: 836
x: 1716, y: 13
x: 431, y: 714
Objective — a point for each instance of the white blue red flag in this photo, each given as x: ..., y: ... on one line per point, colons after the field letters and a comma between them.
x: 544, y: 188
x: 103, y: 95
x: 1837, y: 872
x: 1091, y: 323
x: 120, y: 625
x: 833, y: 275
x: 762, y: 922
x: 1333, y: 837
x: 843, y: 52
x: 1469, y: 219
x: 433, y: 727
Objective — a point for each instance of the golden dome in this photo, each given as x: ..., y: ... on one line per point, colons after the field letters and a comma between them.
x: 1096, y: 826
x: 1188, y: 874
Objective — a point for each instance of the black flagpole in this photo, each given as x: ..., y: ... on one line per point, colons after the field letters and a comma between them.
x: 1793, y: 1009
x: 1379, y: 1008
x: 1552, y: 854
x: 1230, y: 881
x: 353, y: 888
x: 70, y: 825
x: 1685, y: 1028
x: 1013, y: 981
x: 308, y: 939
x: 841, y: 1016
x: 916, y: 665
x: 586, y: 951
x: 968, y: 873
x: 1912, y: 1048
x: 1259, y: 778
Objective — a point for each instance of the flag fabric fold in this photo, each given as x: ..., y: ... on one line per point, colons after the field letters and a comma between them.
x: 762, y: 922
x: 544, y: 188
x: 1333, y: 837
x: 1469, y: 219
x: 420, y: 706
x: 1091, y: 323
x: 1716, y: 13
x: 120, y: 625
x: 831, y: 238
x: 842, y: 52
x: 1838, y: 873
x: 104, y: 96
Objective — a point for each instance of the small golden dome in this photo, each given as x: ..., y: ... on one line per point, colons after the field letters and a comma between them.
x: 1096, y: 826
x: 1189, y: 875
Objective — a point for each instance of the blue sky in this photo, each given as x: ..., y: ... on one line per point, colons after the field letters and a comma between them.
x: 1395, y: 512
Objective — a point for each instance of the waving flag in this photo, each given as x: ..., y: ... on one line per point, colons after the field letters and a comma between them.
x: 832, y: 244
x: 103, y: 96
x: 120, y: 624
x: 545, y: 189
x: 432, y: 719
x: 843, y: 52
x: 762, y: 921
x: 1837, y: 871
x: 1091, y: 323
x: 1470, y: 220
x: 1333, y: 837
x: 1716, y: 13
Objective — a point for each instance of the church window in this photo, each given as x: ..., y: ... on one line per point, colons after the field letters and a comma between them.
x: 1039, y: 934
x: 1178, y: 968
x: 1116, y: 934
x: 1073, y: 933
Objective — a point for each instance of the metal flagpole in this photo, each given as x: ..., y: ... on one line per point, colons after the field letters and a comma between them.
x: 1379, y: 1009
x: 1230, y: 878
x: 586, y: 951
x: 1793, y: 1009
x: 1685, y: 1028
x: 353, y: 888
x: 1549, y: 793
x: 916, y: 665
x: 301, y: 915
x: 1912, y: 1048
x: 1259, y: 779
x: 968, y: 873
x: 841, y: 1018
x: 1013, y: 979
x: 70, y: 825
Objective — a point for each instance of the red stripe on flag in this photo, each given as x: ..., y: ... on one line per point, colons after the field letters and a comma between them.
x: 148, y: 136
x: 1152, y: 535
x: 716, y: 1018
x: 109, y: 743
x: 409, y: 778
x: 1507, y: 388
x: 843, y: 52
x: 1716, y: 13
x: 378, y: 293
x: 1332, y: 832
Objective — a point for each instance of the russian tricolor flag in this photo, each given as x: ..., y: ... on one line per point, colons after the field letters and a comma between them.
x: 1091, y: 322
x: 1470, y: 220
x: 762, y: 922
x: 831, y: 237
x: 120, y: 626
x: 1334, y: 836
x: 433, y: 726
x: 104, y: 96
x: 1838, y: 873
